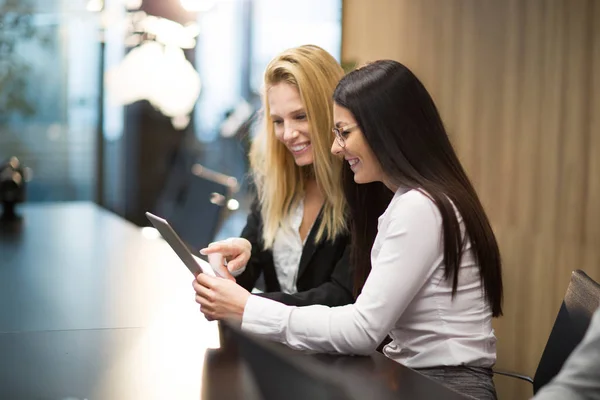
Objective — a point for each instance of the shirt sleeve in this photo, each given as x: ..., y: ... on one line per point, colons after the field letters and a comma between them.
x: 410, y: 248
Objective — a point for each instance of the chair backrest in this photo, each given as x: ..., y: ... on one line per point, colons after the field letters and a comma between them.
x: 580, y: 302
x: 194, y: 202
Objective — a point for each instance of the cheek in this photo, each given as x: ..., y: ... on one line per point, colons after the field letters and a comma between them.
x: 374, y: 167
x: 304, y: 129
x: 278, y: 133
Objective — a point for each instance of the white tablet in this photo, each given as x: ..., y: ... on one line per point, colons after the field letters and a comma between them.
x: 195, y: 264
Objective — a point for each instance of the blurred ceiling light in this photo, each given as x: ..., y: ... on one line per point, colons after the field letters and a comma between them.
x: 180, y: 121
x: 156, y: 68
x: 233, y: 204
x: 192, y: 29
x: 95, y: 5
x: 98, y: 5
x: 133, y: 4
x: 170, y: 32
x: 198, y: 5
x: 160, y: 74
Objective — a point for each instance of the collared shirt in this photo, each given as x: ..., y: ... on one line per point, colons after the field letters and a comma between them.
x: 287, y: 249
x: 405, y: 296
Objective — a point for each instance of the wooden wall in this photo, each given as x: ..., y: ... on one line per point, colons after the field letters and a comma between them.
x: 518, y: 85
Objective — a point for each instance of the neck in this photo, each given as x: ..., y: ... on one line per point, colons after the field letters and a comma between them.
x: 388, y: 184
x: 311, y: 188
x: 310, y: 185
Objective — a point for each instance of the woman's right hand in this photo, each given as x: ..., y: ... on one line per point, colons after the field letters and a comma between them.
x: 236, y: 251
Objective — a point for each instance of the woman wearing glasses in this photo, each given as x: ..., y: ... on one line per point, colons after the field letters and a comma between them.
x: 296, y: 233
x: 432, y: 280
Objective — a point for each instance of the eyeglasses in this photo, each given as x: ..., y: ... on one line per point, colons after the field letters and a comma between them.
x: 340, y: 134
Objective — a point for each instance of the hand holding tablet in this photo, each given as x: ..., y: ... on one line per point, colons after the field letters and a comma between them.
x: 195, y: 264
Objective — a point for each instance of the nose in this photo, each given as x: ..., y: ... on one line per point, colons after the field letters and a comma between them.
x: 336, y: 149
x: 289, y: 133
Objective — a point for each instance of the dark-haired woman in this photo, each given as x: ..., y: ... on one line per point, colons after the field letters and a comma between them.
x: 432, y: 280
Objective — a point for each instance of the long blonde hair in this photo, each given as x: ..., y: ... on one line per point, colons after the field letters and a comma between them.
x: 280, y: 182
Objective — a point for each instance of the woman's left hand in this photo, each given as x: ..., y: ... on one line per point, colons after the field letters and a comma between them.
x: 220, y: 298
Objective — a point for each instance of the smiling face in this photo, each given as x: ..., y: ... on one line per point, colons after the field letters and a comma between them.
x: 356, y: 151
x: 290, y: 121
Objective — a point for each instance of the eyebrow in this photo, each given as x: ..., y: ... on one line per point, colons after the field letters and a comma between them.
x: 297, y: 111
x: 341, y: 124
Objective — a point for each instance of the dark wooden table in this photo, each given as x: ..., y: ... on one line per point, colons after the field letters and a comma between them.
x: 93, y: 307
x: 229, y: 376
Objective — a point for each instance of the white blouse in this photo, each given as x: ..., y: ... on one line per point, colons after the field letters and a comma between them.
x: 287, y: 250
x: 405, y: 296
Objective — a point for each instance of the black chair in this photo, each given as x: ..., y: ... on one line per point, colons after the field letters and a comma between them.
x: 195, y: 202
x: 580, y: 302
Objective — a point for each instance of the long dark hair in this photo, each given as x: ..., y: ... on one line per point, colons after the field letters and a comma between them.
x: 401, y: 124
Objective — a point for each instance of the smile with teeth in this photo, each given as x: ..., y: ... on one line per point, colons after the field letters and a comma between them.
x: 353, y: 162
x: 299, y: 148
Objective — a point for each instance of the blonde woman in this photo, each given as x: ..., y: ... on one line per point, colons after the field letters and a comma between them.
x: 296, y: 233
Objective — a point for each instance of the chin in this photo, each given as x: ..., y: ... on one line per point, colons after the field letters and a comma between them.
x: 361, y: 180
x: 303, y: 161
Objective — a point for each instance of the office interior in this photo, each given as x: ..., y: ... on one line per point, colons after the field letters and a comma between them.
x: 151, y: 105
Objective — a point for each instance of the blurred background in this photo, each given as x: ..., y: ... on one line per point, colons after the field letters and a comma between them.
x: 115, y: 101
x: 151, y: 105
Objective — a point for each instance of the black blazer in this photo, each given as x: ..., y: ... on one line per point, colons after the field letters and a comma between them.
x: 324, y: 274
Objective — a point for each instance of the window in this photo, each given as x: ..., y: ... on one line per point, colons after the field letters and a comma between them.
x: 49, y: 95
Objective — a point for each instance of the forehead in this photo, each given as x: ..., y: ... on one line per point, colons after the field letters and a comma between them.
x: 284, y: 98
x: 342, y: 116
